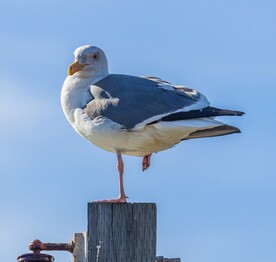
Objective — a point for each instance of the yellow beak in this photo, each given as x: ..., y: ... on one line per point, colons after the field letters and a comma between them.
x: 75, y: 67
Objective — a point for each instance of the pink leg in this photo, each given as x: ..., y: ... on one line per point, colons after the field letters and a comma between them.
x: 122, y: 196
x: 146, y: 162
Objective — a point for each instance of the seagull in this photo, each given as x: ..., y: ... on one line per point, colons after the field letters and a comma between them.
x: 131, y: 115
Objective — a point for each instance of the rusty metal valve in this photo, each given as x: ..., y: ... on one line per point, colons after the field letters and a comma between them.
x: 32, y: 257
x: 37, y: 246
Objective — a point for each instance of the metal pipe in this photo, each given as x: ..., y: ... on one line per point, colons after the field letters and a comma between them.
x: 37, y: 246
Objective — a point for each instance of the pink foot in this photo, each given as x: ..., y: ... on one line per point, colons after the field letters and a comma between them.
x: 122, y: 199
x: 146, y: 162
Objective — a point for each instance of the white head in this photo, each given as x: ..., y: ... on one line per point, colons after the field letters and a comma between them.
x: 90, y: 61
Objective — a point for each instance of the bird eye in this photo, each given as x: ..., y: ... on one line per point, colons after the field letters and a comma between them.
x: 96, y: 56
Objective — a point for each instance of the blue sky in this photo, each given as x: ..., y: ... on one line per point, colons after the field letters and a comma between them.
x: 215, y: 197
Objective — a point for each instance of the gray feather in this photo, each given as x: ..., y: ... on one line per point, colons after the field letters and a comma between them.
x: 130, y: 100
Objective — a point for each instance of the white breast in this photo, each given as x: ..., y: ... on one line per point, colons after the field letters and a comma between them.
x: 75, y: 94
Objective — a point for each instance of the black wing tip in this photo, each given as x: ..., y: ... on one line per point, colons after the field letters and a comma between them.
x: 225, y: 112
x: 239, y: 113
x: 205, y: 112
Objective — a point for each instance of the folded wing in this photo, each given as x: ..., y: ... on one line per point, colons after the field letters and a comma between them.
x: 134, y: 102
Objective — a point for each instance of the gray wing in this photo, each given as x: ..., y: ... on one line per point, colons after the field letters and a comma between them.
x: 134, y: 102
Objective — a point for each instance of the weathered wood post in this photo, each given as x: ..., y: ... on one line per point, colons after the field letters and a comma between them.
x: 80, y: 247
x: 121, y: 232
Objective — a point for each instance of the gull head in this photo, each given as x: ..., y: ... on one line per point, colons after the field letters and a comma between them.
x: 90, y: 61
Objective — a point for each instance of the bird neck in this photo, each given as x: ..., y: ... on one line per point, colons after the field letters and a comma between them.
x: 75, y: 94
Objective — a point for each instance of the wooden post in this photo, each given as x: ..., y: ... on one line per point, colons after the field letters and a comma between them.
x: 121, y: 232
x: 80, y: 244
